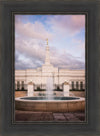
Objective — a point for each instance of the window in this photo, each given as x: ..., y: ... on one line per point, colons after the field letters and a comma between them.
x: 72, y: 85
x: 22, y: 85
x: 81, y: 85
x: 77, y: 85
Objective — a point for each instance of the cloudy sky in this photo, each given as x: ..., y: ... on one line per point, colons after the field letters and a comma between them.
x: 66, y: 38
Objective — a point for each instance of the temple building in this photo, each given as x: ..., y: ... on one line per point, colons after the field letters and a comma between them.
x: 38, y: 77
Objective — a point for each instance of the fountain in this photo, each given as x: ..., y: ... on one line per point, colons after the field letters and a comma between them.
x: 50, y: 103
x: 57, y: 104
x: 49, y: 88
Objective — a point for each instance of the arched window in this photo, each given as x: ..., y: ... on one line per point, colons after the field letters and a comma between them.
x: 72, y: 85
x: 81, y: 85
x: 77, y: 85
x: 18, y: 85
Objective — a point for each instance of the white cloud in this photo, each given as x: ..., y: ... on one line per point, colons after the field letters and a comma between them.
x: 67, y: 24
x: 35, y: 31
x: 30, y: 54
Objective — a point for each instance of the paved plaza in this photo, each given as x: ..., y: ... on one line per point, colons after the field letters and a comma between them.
x: 49, y: 116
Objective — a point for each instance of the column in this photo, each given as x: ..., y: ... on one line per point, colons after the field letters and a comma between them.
x: 83, y: 84
x: 74, y: 84
x: 70, y: 85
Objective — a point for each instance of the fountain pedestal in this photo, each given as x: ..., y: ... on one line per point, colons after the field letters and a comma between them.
x: 66, y: 89
x: 30, y: 91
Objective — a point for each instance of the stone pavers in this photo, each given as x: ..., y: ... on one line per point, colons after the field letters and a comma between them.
x: 59, y: 117
x: 71, y: 117
x: 49, y: 116
x: 27, y: 116
x: 81, y: 116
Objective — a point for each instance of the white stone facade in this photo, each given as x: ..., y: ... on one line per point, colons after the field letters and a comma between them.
x: 39, y: 76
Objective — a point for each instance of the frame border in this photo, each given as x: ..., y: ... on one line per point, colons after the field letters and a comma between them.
x: 93, y: 65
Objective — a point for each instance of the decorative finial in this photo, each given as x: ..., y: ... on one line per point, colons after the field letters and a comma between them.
x: 47, y: 41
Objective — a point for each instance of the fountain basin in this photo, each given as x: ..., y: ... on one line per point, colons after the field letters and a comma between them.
x: 57, y: 104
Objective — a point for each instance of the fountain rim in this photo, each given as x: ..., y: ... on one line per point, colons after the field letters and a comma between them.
x: 26, y: 100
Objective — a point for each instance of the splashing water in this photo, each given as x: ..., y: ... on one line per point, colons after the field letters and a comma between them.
x: 49, y: 88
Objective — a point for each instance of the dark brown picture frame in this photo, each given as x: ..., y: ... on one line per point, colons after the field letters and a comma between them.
x: 8, y: 127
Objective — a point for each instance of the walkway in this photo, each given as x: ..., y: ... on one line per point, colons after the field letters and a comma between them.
x: 49, y: 116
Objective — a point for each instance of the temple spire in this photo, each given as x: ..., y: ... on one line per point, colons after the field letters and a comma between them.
x: 47, y: 57
x: 47, y: 41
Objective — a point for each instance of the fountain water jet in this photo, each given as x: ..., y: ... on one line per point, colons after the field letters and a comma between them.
x: 49, y: 88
